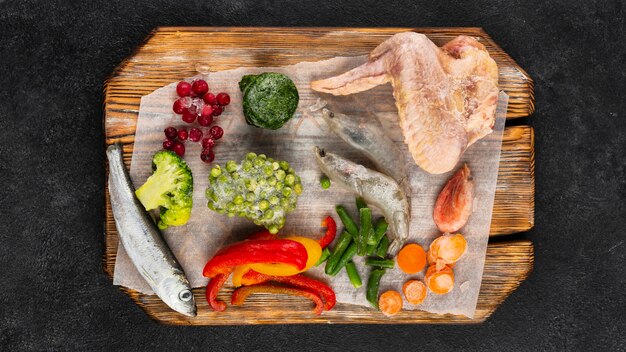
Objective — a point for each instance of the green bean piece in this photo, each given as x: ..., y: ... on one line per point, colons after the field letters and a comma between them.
x: 340, y: 247
x: 353, y: 275
x: 345, y: 258
x: 379, y: 231
x: 382, y: 263
x: 381, y: 251
x: 347, y: 221
x: 373, y: 283
x: 365, y: 215
x: 325, y: 255
x: 325, y: 182
x: 360, y: 203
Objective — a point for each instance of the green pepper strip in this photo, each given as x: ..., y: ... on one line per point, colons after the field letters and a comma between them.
x: 382, y: 263
x: 365, y: 215
x: 342, y: 244
x: 347, y: 221
x: 381, y: 251
x: 345, y: 258
x: 372, y: 286
x: 353, y: 275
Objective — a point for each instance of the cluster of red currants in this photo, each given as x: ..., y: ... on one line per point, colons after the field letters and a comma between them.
x: 196, y: 102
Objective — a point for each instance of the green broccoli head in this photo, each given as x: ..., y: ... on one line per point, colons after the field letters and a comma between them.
x: 169, y: 188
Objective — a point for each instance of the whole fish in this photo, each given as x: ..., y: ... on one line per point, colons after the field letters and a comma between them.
x: 375, y: 188
x: 370, y: 139
x: 143, y: 242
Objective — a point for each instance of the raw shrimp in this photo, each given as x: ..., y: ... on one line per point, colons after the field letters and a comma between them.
x: 370, y: 139
x: 376, y: 189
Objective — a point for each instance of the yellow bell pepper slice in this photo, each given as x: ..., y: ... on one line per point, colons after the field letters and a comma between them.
x: 313, y: 249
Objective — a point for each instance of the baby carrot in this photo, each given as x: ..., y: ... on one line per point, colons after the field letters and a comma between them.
x: 412, y: 258
x: 390, y: 302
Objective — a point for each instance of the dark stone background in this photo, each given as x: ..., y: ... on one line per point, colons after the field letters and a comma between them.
x: 54, y: 58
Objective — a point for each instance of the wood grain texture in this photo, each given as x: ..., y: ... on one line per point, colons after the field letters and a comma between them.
x: 172, y: 53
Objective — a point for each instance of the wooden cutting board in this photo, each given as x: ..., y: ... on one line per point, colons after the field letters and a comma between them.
x: 170, y: 54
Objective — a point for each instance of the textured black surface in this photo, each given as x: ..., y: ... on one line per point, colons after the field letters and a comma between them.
x: 53, y: 62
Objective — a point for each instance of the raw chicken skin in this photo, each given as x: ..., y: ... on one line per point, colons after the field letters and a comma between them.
x: 446, y: 97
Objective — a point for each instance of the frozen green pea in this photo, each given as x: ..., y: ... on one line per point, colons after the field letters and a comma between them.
x: 290, y: 180
x: 231, y: 166
x: 279, y: 186
x: 274, y: 200
x: 247, y: 165
x: 284, y: 165
x: 298, y: 189
x: 211, y: 205
x: 216, y: 171
x: 291, y: 171
x: 284, y: 203
x: 273, y: 229
x: 250, y: 156
x: 268, y: 171
x: 238, y: 199
x: 264, y: 204
x: 263, y: 194
x: 325, y: 182
x: 262, y: 156
x: 258, y: 162
x: 287, y: 191
x: 222, y: 179
x: 280, y: 174
x: 275, y: 165
x: 268, y: 214
x: 250, y: 196
x: 271, y: 181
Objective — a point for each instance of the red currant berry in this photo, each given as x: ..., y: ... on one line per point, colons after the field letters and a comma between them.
x: 179, y: 148
x: 207, y: 110
x: 208, y: 143
x: 195, y: 134
x: 168, y: 144
x: 200, y: 87
x: 207, y: 155
x: 182, y: 135
x: 179, y: 106
x: 189, y: 117
x: 217, y: 132
x: 183, y: 89
x: 223, y: 99
x: 205, y: 120
x: 170, y: 133
x: 209, y: 98
x: 217, y: 110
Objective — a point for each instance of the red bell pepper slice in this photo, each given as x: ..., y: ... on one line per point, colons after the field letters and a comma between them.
x: 262, y: 235
x: 212, y: 290
x: 253, y: 278
x: 331, y: 232
x: 256, y: 251
x: 239, y: 295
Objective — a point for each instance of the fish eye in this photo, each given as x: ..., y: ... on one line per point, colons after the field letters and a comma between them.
x: 185, y: 295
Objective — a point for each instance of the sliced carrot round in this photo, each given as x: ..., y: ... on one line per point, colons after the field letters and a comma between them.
x: 439, y: 281
x: 390, y: 302
x: 414, y: 291
x: 449, y: 248
x: 412, y: 258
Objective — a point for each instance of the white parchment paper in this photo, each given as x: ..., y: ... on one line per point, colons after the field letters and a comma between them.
x: 194, y: 243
